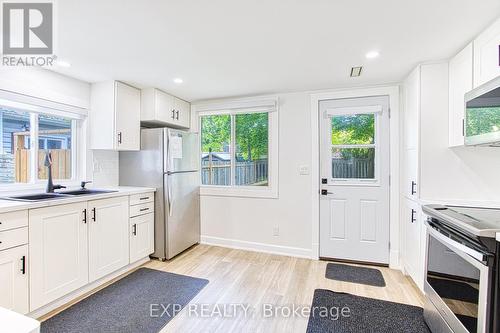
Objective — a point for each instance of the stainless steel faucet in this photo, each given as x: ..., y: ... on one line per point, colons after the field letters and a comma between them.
x: 48, y: 163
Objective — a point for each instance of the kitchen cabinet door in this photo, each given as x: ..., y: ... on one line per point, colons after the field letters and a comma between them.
x: 115, y: 117
x: 57, y: 251
x: 164, y: 107
x: 127, y: 115
x: 412, y: 247
x: 412, y: 109
x: 182, y: 113
x: 410, y: 174
x: 14, y: 279
x: 487, y: 54
x: 108, y: 236
x: 141, y: 236
x: 460, y: 82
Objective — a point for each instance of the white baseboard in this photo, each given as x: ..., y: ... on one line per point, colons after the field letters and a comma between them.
x: 84, y: 290
x: 394, y: 261
x: 258, y: 247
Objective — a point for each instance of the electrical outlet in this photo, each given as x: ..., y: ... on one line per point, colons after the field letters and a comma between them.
x: 95, y: 166
x: 276, y: 231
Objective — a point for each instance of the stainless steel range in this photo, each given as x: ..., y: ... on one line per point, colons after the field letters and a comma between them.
x: 461, y: 277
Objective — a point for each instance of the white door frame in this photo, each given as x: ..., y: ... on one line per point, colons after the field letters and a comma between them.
x: 393, y: 93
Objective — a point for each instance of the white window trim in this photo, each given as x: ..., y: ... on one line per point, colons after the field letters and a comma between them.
x: 377, y: 112
x: 35, y: 106
x: 238, y: 107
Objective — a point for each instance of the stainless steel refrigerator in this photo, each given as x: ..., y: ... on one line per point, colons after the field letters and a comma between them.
x: 168, y: 161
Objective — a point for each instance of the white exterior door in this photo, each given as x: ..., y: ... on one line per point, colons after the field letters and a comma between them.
x: 354, y: 205
x: 108, y: 236
x: 57, y: 251
x: 14, y: 279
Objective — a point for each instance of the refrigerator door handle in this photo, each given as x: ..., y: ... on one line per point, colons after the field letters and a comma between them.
x: 169, y: 197
x: 176, y: 172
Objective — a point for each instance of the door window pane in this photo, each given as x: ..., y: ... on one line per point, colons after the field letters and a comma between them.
x: 14, y: 146
x: 348, y: 163
x: 353, y: 129
x: 54, y: 136
x: 252, y: 146
x: 215, y: 150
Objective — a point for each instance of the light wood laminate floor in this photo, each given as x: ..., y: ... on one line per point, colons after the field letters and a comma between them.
x: 254, y: 279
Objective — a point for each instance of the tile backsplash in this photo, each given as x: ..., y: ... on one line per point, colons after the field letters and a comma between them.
x: 105, y: 168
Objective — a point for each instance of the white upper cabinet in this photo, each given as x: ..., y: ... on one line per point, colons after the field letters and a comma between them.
x: 486, y: 54
x: 115, y: 116
x: 161, y: 109
x: 460, y: 82
x: 412, y: 107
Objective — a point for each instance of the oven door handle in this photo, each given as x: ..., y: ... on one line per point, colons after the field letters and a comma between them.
x: 456, y: 245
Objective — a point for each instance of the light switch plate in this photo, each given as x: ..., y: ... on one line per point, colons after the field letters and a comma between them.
x: 304, y: 170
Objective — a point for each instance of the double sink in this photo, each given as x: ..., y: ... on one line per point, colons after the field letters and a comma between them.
x: 58, y: 195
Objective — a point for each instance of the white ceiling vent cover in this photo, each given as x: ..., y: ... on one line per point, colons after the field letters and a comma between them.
x: 356, y: 71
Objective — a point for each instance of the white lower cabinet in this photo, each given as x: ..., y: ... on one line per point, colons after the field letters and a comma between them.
x: 108, y: 236
x: 58, y: 248
x: 141, y: 236
x: 14, y: 279
x: 413, y: 246
x: 71, y: 246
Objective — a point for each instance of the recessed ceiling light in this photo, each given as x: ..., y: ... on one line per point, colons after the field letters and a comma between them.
x: 178, y: 80
x: 372, y: 54
x: 62, y: 63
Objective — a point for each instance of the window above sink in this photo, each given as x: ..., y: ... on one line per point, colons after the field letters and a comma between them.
x: 27, y: 132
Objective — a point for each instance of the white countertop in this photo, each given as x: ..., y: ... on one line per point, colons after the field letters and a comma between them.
x: 466, y: 203
x: 10, y: 205
x: 13, y: 322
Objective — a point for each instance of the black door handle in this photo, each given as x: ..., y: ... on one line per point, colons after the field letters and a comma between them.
x: 119, y: 137
x: 85, y: 215
x: 23, y: 267
x: 173, y: 114
x: 93, y: 214
x: 134, y: 229
x: 413, y: 219
x: 177, y: 114
x: 413, y: 187
x: 325, y: 192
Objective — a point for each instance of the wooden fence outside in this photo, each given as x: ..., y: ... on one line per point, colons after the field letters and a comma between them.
x: 246, y: 173
x: 362, y: 168
x: 61, y: 164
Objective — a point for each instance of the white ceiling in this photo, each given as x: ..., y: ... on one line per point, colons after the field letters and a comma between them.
x: 226, y: 48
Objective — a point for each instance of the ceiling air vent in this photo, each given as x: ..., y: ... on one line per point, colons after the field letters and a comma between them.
x: 356, y: 71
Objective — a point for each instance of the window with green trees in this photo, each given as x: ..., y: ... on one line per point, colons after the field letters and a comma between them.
x: 235, y: 149
x: 353, y: 146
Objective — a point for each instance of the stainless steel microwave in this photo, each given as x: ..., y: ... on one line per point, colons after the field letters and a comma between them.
x: 482, y: 115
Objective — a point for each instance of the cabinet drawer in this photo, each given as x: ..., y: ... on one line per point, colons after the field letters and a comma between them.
x: 142, y: 209
x: 13, y: 220
x: 137, y: 199
x: 15, y: 237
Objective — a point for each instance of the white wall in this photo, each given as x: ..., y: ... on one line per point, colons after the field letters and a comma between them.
x: 249, y: 222
x: 453, y: 174
x: 47, y: 85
